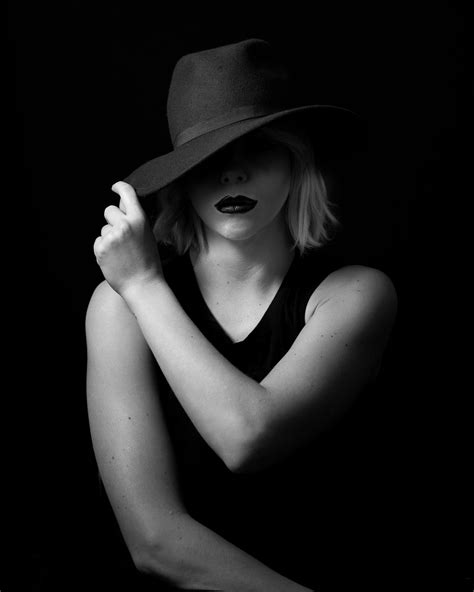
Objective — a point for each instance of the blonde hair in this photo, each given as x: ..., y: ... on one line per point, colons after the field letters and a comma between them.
x: 308, y: 211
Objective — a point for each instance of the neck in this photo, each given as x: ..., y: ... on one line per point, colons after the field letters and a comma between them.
x: 257, y: 262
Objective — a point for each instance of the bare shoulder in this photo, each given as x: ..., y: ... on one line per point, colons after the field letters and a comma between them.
x: 108, y: 316
x: 360, y: 279
x: 104, y: 304
x: 358, y: 290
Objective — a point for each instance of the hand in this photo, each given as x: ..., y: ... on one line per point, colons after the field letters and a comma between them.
x: 126, y: 250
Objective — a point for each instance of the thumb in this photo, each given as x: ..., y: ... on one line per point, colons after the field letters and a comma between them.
x: 129, y: 203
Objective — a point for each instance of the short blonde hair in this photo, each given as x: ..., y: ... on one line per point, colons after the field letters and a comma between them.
x: 308, y: 211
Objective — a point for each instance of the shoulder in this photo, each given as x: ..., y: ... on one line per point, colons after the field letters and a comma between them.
x: 108, y: 317
x: 361, y: 294
x: 104, y: 303
x: 360, y: 279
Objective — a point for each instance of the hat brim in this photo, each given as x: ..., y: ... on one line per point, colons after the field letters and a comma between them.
x: 335, y: 132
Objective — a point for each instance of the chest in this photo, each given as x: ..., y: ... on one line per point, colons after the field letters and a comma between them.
x: 240, y: 314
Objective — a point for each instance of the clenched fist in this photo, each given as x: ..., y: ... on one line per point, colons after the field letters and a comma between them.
x: 126, y: 250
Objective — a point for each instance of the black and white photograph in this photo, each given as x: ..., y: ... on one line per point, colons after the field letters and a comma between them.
x: 240, y: 278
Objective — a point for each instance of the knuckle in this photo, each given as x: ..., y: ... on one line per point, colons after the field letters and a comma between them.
x: 138, y: 220
x: 124, y: 227
x: 98, y: 249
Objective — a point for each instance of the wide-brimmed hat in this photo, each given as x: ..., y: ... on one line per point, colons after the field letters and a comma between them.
x: 221, y: 94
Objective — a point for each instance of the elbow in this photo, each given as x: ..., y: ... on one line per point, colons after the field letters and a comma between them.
x: 158, y: 560
x: 241, y: 467
x: 246, y: 460
x: 246, y: 455
x: 236, y: 464
x: 259, y: 452
x: 175, y: 559
x: 148, y: 558
x: 247, y: 465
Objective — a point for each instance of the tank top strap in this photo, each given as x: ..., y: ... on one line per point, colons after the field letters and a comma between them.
x: 310, y: 270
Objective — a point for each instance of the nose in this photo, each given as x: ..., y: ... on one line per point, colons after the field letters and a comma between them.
x: 233, y: 174
x: 233, y: 167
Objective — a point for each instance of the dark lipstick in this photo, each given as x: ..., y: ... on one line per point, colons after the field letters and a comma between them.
x: 235, y: 205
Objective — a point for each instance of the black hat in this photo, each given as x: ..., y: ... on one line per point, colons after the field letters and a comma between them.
x: 220, y: 94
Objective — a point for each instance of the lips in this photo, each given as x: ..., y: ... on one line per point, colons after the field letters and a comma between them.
x: 235, y: 205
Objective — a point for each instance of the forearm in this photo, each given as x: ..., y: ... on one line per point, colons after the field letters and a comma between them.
x: 198, y: 558
x: 223, y: 403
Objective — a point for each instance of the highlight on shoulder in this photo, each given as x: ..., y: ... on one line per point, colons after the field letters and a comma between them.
x: 367, y: 289
x: 107, y: 309
x: 362, y: 288
x: 362, y: 278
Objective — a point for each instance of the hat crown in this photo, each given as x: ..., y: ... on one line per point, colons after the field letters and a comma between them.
x: 217, y: 87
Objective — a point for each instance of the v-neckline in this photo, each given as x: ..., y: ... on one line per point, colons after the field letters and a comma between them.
x: 263, y: 318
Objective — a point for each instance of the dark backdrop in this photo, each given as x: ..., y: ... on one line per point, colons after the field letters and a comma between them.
x: 90, y: 106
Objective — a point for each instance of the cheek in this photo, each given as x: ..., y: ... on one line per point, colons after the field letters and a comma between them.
x: 197, y: 193
x: 201, y: 202
x: 277, y: 181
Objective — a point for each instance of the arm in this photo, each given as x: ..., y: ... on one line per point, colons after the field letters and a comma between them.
x: 251, y: 425
x: 246, y: 423
x: 137, y: 466
x: 223, y: 403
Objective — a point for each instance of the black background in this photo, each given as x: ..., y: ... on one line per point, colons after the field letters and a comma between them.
x: 90, y: 105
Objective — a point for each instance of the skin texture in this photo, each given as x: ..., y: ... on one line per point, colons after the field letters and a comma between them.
x: 135, y: 321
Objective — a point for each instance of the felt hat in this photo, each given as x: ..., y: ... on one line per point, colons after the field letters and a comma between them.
x: 220, y: 94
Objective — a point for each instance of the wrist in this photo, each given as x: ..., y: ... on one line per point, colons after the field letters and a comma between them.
x: 135, y: 291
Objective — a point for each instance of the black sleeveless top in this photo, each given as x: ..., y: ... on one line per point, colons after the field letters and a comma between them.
x: 298, y: 516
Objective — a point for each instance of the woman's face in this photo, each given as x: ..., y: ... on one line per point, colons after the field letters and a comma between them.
x: 252, y: 166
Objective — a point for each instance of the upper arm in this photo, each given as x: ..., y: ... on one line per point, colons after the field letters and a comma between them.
x: 129, y: 435
x: 332, y: 359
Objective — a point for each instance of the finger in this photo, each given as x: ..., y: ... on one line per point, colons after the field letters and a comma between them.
x: 97, y: 247
x: 105, y: 229
x: 129, y: 203
x: 113, y: 215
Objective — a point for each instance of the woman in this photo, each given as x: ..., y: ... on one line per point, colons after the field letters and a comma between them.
x: 220, y: 360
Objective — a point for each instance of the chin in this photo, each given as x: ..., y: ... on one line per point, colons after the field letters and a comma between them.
x: 237, y: 236
x: 236, y: 230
